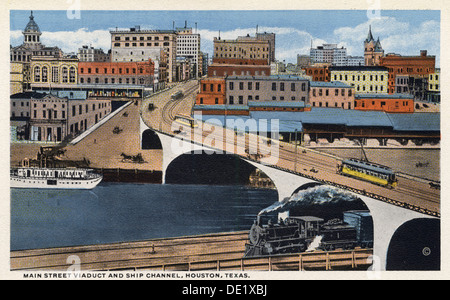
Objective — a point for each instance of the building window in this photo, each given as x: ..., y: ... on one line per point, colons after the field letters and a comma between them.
x: 231, y: 100
x: 281, y: 86
x: 231, y: 85
x: 64, y: 75
x: 293, y: 87
x: 55, y: 74
x: 274, y: 86
x: 72, y: 75
x: 37, y: 74
x: 241, y: 86
x: 257, y: 86
x: 44, y: 74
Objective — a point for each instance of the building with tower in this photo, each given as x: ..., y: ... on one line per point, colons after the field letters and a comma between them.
x: 21, y: 56
x: 372, y: 50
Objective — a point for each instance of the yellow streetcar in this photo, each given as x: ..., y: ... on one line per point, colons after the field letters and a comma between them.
x: 367, y: 171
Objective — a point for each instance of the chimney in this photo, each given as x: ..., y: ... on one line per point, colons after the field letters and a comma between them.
x: 423, y: 53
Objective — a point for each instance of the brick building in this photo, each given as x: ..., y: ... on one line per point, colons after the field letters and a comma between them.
x: 246, y: 47
x: 318, y: 73
x: 127, y: 73
x: 51, y: 118
x: 212, y: 92
x: 139, y: 45
x: 417, y: 66
x: 222, y: 67
x: 242, y: 89
x: 390, y: 103
x: 365, y: 79
x: 331, y: 94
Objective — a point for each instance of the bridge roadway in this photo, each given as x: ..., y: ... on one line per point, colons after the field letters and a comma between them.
x: 410, y: 191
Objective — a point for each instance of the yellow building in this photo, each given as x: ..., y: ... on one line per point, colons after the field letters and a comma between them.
x: 52, y: 72
x: 433, y: 81
x: 434, y: 87
x: 365, y: 79
x: 16, y: 78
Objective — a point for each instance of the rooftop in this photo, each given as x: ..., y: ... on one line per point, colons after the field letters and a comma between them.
x: 358, y: 68
x: 276, y: 104
x: 269, y: 77
x: 384, y: 96
x: 331, y: 84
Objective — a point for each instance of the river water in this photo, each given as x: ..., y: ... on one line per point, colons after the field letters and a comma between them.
x: 120, y: 212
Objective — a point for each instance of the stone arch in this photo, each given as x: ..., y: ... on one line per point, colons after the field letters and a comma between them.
x: 415, y: 246
x: 150, y: 140
x: 200, y: 167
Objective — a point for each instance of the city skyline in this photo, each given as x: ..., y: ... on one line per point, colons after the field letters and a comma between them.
x: 402, y: 32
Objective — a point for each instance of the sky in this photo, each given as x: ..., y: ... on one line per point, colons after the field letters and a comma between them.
x: 405, y: 32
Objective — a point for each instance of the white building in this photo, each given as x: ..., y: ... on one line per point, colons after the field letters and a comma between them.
x: 188, y: 46
x: 331, y: 54
x: 87, y: 53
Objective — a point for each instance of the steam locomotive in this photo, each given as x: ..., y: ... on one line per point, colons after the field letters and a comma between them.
x: 307, y: 233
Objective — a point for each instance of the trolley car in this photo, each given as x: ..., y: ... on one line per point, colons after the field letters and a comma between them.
x: 367, y: 171
x: 185, y: 120
x: 176, y: 96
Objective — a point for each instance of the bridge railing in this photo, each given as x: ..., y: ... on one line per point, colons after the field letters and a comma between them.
x: 318, y: 260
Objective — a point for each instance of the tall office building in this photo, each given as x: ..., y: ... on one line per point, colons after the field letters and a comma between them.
x: 140, y: 45
x: 188, y: 46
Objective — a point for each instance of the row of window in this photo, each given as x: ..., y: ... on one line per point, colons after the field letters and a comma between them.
x: 325, y: 104
x: 141, y: 44
x: 141, y: 38
x: 363, y: 103
x: 113, y: 70
x: 262, y: 56
x: 112, y: 80
x: 239, y: 49
x: 358, y: 77
x: 275, y: 86
x: 409, y: 70
x: 327, y: 92
x: 41, y: 74
x: 240, y: 99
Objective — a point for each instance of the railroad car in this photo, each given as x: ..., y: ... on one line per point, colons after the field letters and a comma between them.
x: 367, y: 171
x: 300, y: 234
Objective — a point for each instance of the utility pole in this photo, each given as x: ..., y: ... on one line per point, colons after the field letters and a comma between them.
x: 295, y: 161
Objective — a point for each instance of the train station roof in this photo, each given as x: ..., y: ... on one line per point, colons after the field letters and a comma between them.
x: 294, y: 121
x: 416, y: 122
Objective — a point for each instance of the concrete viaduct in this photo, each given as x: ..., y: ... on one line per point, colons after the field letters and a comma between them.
x: 388, y: 218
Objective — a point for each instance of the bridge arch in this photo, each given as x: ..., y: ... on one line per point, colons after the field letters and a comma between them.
x: 150, y: 140
x: 199, y: 167
x: 415, y: 246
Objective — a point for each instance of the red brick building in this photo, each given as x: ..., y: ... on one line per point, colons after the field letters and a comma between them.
x: 212, y: 91
x: 422, y: 65
x: 317, y: 73
x: 130, y: 73
x: 222, y: 67
x: 392, y: 103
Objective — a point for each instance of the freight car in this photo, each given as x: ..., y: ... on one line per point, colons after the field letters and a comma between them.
x: 300, y: 234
